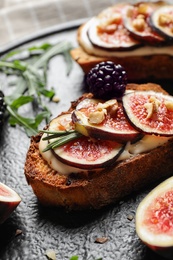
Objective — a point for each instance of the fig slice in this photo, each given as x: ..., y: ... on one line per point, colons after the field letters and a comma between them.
x: 61, y: 123
x: 107, y: 31
x: 104, y: 120
x: 154, y: 219
x: 84, y: 152
x: 162, y: 21
x: 150, y: 112
x: 9, y: 200
x: 90, y: 154
x: 137, y: 22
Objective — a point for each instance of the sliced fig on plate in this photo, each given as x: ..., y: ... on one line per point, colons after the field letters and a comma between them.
x: 103, y: 120
x: 154, y: 219
x: 137, y: 22
x: 107, y: 31
x: 162, y: 21
x: 9, y: 200
x: 150, y: 112
x: 61, y: 123
x: 87, y: 153
x: 81, y: 151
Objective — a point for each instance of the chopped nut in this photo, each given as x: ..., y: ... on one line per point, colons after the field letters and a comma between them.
x: 152, y: 106
x: 169, y: 105
x: 116, y: 18
x: 143, y: 9
x: 18, y: 232
x: 165, y: 19
x: 107, y: 28
x: 156, y: 102
x: 50, y: 253
x: 129, y: 11
x: 97, y: 116
x: 109, y: 25
x: 130, y: 217
x: 150, y: 109
x: 139, y: 24
x: 101, y: 240
x: 55, y: 99
x: 108, y: 104
x: 140, y: 16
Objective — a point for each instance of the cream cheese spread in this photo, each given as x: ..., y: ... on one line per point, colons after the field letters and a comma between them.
x: 54, y: 163
x: 146, y: 144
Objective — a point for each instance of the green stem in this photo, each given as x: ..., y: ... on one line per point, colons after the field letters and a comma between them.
x: 12, y: 66
x: 19, y: 119
x: 57, y: 49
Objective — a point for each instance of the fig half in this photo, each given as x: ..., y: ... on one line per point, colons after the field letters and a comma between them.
x: 9, y: 200
x: 103, y: 120
x: 154, y: 219
x: 162, y: 21
x: 150, y: 112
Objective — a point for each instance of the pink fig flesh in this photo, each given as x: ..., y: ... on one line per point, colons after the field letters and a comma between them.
x: 114, y: 125
x: 154, y: 219
x: 9, y: 200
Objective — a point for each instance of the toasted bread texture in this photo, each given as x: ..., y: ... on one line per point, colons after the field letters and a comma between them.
x: 97, y: 189
x: 138, y: 67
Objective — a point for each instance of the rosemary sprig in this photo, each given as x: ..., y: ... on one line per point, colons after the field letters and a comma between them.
x: 31, y: 82
x: 61, y: 138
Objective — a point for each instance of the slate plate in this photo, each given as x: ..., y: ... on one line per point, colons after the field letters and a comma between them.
x: 32, y: 229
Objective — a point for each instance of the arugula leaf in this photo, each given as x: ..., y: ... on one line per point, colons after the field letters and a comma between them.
x: 75, y: 257
x: 31, y: 82
x: 22, y: 100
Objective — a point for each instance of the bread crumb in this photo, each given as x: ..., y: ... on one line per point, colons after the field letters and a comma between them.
x: 50, y: 253
x: 101, y: 240
x: 130, y: 217
x: 18, y: 232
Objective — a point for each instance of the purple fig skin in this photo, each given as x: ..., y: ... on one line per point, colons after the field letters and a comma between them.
x: 152, y: 216
x: 108, y: 134
x: 154, y: 23
x: 90, y: 166
x: 9, y: 200
x: 166, y: 252
x: 120, y: 135
x: 6, y: 208
x: 146, y: 126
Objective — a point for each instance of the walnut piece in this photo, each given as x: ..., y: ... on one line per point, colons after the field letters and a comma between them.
x: 152, y: 106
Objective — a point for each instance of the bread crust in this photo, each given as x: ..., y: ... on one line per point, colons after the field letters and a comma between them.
x: 97, y: 189
x: 138, y: 67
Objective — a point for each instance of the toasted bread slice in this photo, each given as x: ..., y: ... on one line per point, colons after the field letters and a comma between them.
x: 97, y: 189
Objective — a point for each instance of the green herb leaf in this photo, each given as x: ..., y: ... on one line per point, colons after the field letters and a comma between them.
x: 27, y: 123
x: 22, y: 100
x: 61, y: 139
x: 44, y: 46
x: 31, y: 83
x: 75, y: 257
x: 59, y: 48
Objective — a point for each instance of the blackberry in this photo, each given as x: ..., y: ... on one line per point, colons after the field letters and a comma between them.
x: 2, y: 108
x: 107, y: 80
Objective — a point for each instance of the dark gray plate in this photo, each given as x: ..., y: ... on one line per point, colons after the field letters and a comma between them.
x: 42, y: 228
